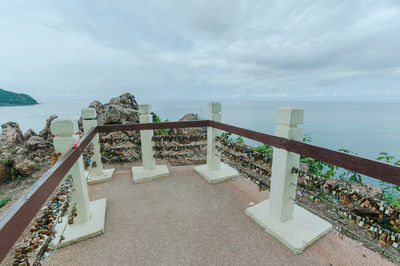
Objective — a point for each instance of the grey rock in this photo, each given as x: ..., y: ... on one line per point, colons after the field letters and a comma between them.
x: 45, y: 133
x: 23, y: 165
x: 119, y: 110
x: 36, y: 142
x: 29, y: 133
x: 11, y: 136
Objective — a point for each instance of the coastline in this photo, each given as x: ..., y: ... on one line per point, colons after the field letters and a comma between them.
x: 14, y: 105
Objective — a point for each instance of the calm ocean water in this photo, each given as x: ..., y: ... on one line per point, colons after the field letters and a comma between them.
x: 365, y: 128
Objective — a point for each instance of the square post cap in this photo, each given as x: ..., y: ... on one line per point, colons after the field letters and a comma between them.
x: 214, y: 107
x: 289, y: 116
x: 88, y: 113
x: 144, y: 109
x: 64, y: 126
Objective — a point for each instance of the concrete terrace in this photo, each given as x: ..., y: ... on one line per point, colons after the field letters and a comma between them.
x: 183, y: 220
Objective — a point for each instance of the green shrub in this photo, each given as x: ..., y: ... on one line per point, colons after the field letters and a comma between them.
x: 4, y: 201
x: 157, y: 119
x: 391, y: 193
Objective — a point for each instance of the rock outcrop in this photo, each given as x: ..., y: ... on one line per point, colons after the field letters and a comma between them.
x: 119, y: 110
x: 24, y: 165
x: 29, y: 133
x: 45, y: 133
x: 11, y: 136
x: 20, y: 154
x: 35, y: 143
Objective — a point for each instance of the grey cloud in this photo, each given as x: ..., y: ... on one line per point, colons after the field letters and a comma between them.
x: 201, y: 48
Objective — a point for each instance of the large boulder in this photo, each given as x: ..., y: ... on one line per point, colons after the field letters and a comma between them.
x: 11, y: 136
x: 35, y: 143
x: 45, y: 132
x: 119, y: 110
x: 23, y: 165
x: 29, y: 133
x: 126, y: 100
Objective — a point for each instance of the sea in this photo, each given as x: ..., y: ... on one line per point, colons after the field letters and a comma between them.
x: 365, y: 128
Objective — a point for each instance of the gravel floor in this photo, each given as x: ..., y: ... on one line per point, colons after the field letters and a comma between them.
x: 183, y: 220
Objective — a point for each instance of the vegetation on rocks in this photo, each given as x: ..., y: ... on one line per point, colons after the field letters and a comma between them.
x: 8, y: 98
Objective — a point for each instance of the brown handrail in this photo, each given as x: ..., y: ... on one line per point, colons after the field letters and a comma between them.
x: 379, y: 170
x: 14, y: 221
x: 148, y: 126
x: 18, y: 216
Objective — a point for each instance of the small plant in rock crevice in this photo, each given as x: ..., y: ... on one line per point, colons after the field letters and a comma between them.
x: 4, y: 201
x: 157, y: 119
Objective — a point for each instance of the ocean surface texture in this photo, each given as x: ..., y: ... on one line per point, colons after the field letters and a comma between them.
x: 364, y: 128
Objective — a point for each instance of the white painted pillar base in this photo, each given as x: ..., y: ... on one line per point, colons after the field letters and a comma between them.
x: 297, y: 233
x: 214, y: 171
x: 78, y: 232
x: 294, y: 226
x: 139, y: 174
x: 149, y: 170
x: 215, y: 176
x: 105, y: 176
x: 91, y: 214
x: 97, y: 174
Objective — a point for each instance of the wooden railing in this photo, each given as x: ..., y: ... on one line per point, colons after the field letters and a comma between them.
x: 19, y: 215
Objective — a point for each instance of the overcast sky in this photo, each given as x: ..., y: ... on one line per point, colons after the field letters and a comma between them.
x: 205, y: 50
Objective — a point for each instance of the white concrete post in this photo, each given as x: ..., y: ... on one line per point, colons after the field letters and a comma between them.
x: 91, y: 215
x: 89, y: 121
x: 149, y: 170
x: 149, y: 162
x: 283, y: 190
x: 65, y: 137
x: 294, y: 226
x: 213, y: 155
x: 97, y: 174
x: 214, y: 171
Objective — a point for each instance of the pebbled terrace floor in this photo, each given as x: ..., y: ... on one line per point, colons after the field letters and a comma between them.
x: 183, y: 220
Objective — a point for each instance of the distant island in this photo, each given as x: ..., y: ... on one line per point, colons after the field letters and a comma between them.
x: 8, y: 98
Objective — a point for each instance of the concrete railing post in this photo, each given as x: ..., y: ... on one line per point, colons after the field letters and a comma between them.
x: 213, y: 155
x: 214, y: 171
x: 149, y: 162
x: 294, y: 226
x: 65, y: 137
x: 149, y: 170
x: 91, y: 215
x: 97, y: 173
x: 283, y: 180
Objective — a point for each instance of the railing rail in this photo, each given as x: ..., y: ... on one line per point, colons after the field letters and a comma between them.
x: 379, y: 170
x: 18, y: 216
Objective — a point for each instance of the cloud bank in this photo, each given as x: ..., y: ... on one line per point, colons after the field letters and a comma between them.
x: 203, y: 50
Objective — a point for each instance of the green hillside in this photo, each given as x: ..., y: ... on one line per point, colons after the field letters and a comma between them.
x: 8, y: 98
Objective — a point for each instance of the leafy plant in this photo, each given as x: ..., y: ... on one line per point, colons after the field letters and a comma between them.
x: 4, y: 201
x: 226, y: 135
x: 157, y: 119
x: 316, y: 167
x: 198, y: 117
x: 240, y: 139
x: 391, y: 192
x: 265, y: 149
x: 307, y: 138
